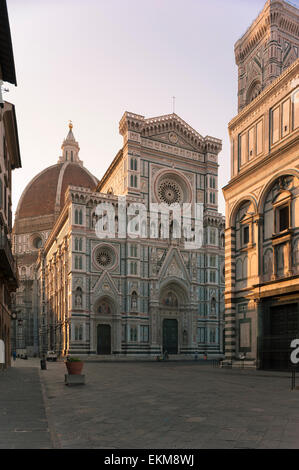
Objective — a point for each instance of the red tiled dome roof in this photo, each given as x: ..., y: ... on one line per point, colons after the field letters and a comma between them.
x: 44, y: 195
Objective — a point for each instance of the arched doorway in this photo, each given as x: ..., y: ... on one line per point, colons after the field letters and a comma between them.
x: 103, y: 339
x: 173, y: 318
x: 105, y: 326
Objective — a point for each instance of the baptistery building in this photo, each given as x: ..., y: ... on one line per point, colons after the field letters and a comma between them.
x: 104, y: 270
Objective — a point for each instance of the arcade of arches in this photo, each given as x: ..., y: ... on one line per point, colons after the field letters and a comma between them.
x: 265, y: 253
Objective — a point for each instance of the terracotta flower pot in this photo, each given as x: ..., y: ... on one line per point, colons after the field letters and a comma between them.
x: 74, y: 368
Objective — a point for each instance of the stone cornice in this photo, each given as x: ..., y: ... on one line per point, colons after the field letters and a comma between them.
x: 259, y: 163
x: 98, y: 196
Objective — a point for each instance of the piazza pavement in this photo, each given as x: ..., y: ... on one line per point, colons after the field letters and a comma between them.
x: 147, y: 405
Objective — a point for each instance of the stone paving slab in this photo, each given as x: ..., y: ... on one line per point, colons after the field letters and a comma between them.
x: 171, y: 405
x: 23, y: 421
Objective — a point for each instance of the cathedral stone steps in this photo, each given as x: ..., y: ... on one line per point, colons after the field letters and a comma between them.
x: 238, y: 365
x: 147, y: 358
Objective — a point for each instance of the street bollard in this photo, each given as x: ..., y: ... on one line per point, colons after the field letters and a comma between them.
x: 43, y: 364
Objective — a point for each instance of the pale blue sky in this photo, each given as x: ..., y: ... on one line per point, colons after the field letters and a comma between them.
x: 91, y: 60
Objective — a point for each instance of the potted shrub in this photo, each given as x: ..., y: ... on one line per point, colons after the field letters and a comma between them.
x: 74, y: 365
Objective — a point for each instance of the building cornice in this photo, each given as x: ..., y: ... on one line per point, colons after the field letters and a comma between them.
x: 261, y: 163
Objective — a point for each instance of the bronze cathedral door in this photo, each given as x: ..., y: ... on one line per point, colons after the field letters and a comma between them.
x: 170, y: 336
x: 104, y: 339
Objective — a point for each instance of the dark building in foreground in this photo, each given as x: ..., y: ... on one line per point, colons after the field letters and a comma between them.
x: 9, y: 160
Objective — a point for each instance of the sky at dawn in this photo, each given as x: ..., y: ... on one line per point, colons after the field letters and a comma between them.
x: 92, y: 60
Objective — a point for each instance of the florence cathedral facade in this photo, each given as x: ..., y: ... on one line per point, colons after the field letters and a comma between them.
x: 129, y: 296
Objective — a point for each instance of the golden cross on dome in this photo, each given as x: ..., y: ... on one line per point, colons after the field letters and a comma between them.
x: 70, y: 124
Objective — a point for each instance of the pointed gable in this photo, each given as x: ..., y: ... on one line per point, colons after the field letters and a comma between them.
x: 105, y: 286
x: 169, y: 129
x: 174, y: 266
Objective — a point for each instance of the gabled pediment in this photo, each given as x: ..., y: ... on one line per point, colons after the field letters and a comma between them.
x: 105, y: 286
x: 174, y: 267
x: 170, y: 129
x: 174, y: 130
x: 281, y: 197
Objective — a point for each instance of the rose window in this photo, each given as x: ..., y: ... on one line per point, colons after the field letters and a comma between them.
x: 105, y: 257
x: 170, y: 192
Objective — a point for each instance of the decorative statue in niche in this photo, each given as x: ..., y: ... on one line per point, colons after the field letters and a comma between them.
x: 134, y: 301
x: 213, y: 306
x: 94, y: 220
x: 78, y: 297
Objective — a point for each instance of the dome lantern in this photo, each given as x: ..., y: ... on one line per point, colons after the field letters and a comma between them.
x: 70, y: 148
x: 34, y: 213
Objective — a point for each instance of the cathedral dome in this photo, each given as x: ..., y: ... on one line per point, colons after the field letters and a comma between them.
x: 44, y: 195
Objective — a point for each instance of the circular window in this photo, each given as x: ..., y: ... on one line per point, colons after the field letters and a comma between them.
x: 170, y: 192
x: 172, y: 188
x: 37, y: 242
x: 105, y: 256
